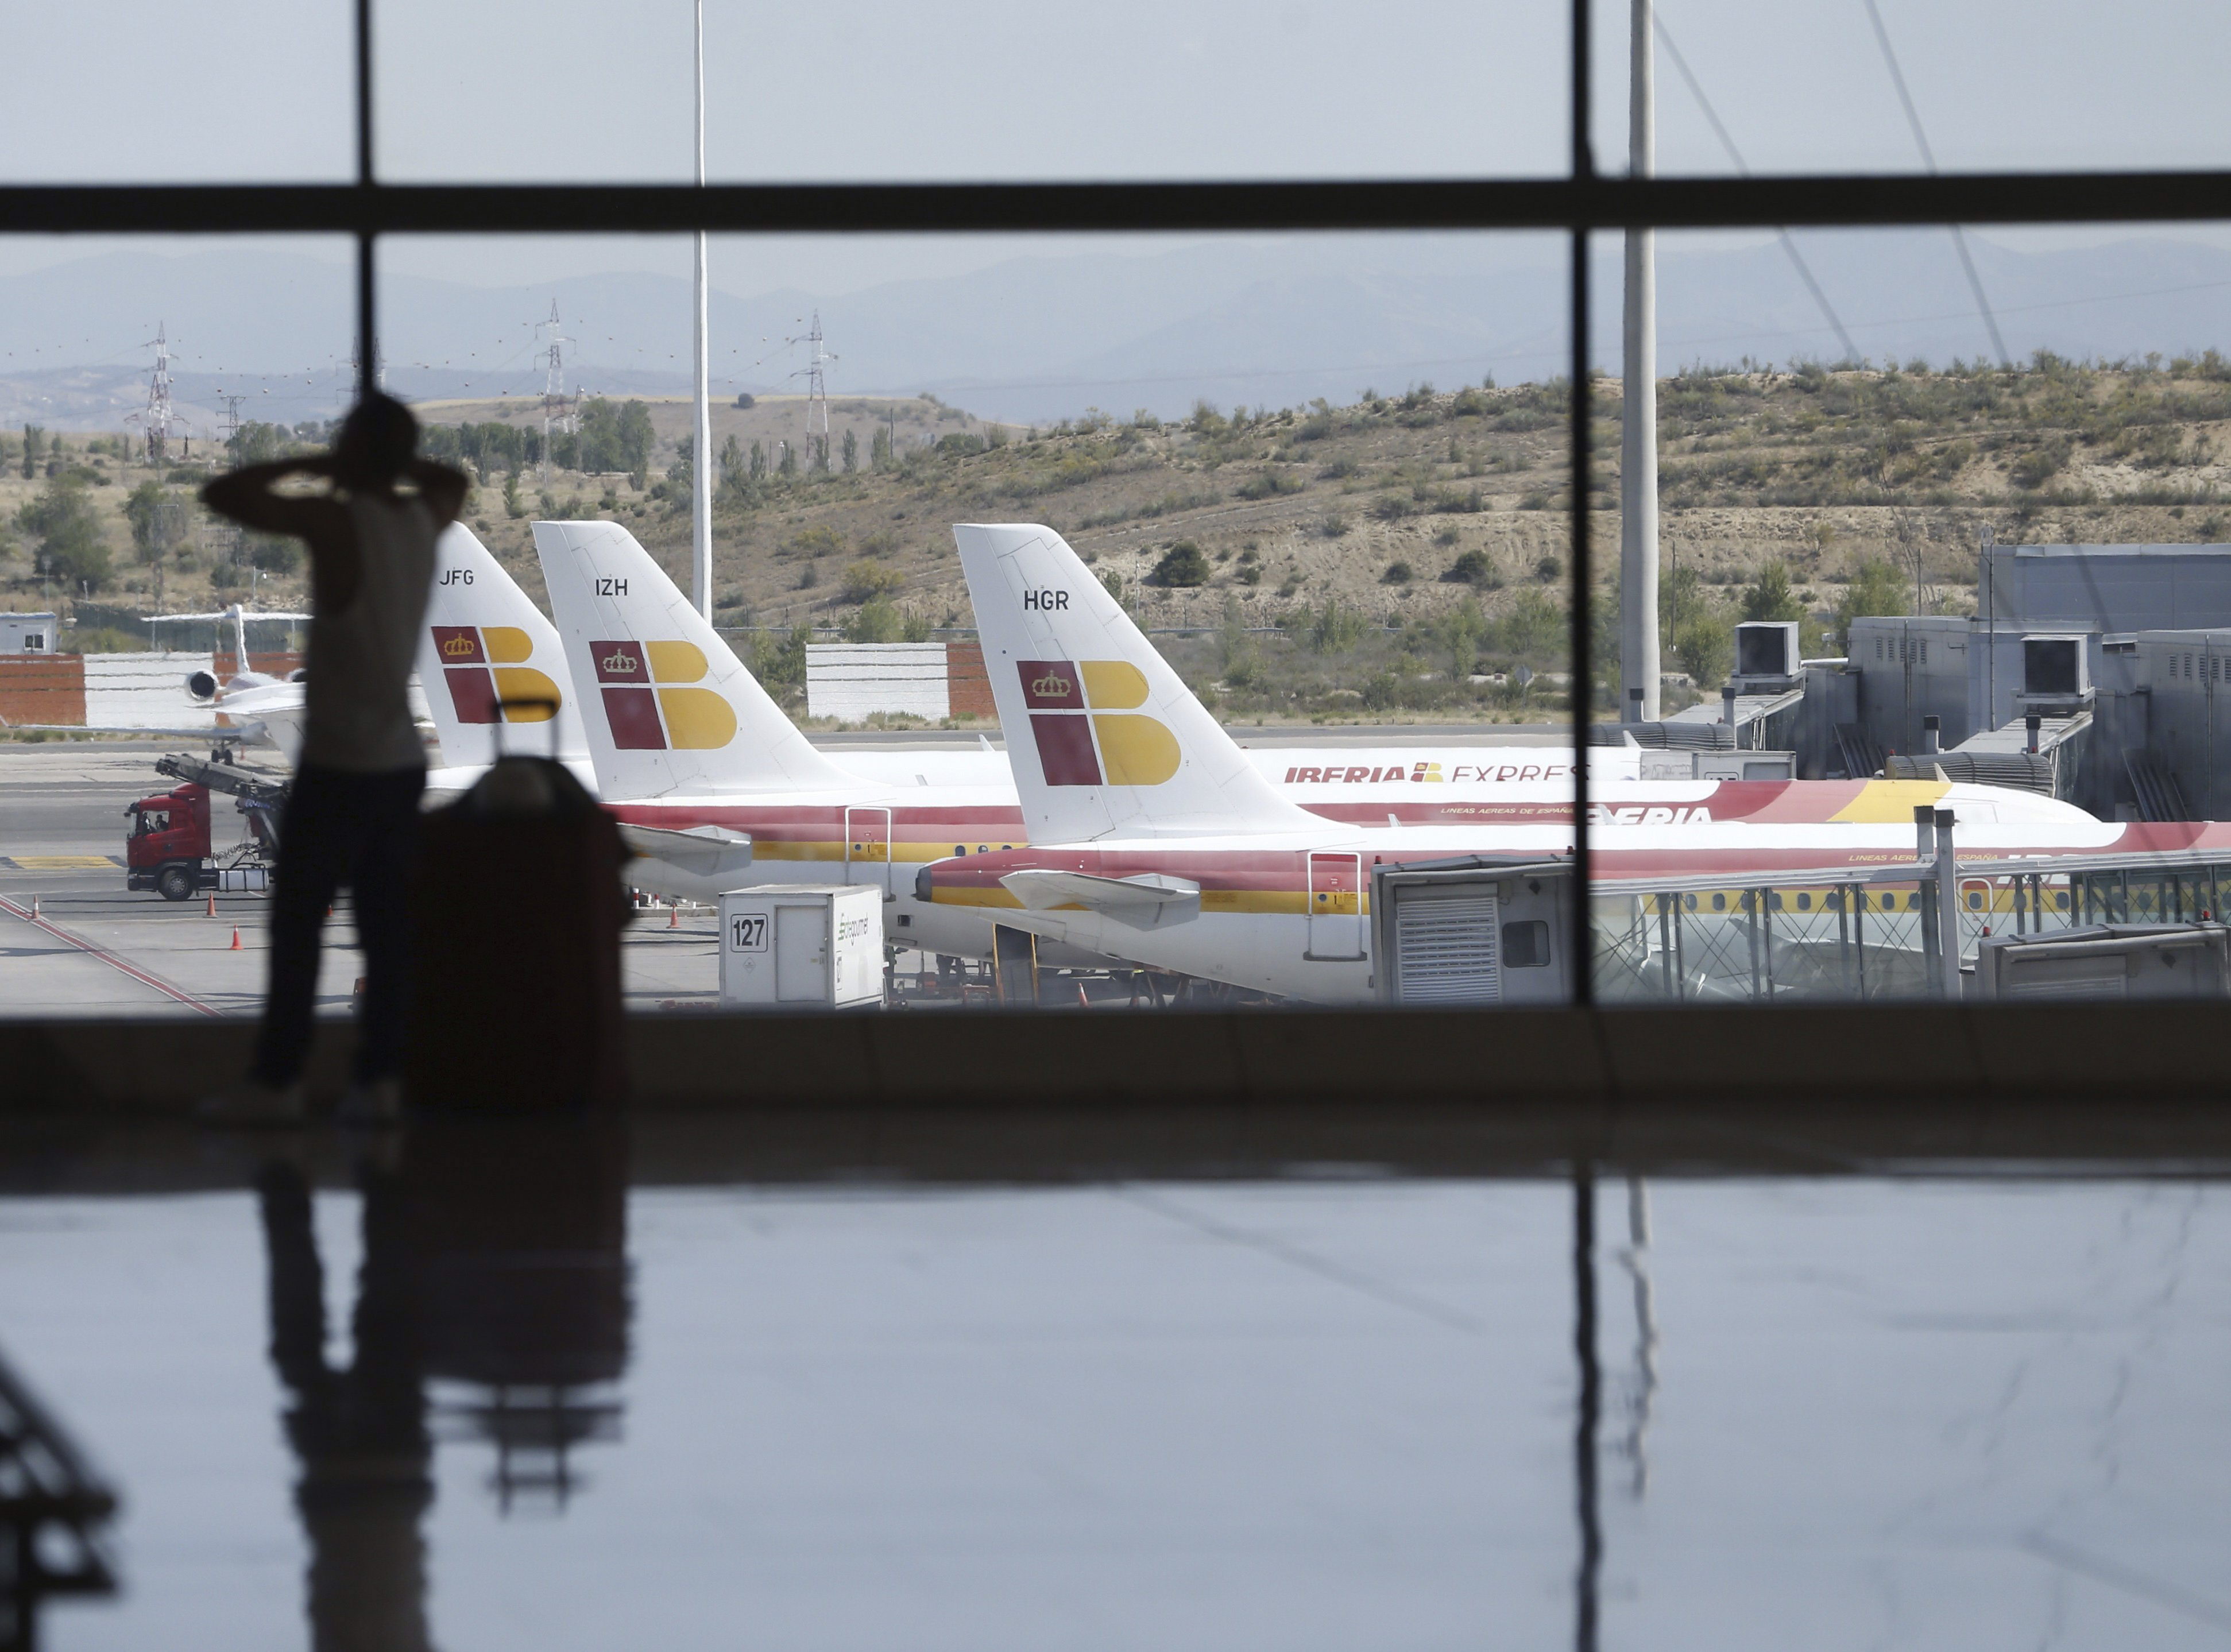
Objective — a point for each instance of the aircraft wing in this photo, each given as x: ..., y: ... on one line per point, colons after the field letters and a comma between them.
x: 702, y: 851
x: 1147, y: 902
x: 192, y: 731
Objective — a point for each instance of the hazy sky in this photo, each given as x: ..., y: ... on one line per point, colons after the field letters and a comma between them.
x: 562, y: 88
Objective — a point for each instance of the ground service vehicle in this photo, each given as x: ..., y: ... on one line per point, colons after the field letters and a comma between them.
x: 169, y: 849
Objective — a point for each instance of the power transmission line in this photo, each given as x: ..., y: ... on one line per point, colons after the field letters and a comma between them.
x: 1804, y: 271
x: 1929, y: 159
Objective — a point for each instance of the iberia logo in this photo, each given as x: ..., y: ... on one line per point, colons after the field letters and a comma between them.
x: 648, y: 705
x: 484, y: 667
x: 1086, y: 732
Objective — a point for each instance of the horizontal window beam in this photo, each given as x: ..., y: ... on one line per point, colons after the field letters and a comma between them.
x: 1362, y: 204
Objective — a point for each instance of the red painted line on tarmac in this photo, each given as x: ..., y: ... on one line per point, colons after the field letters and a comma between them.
x: 17, y: 909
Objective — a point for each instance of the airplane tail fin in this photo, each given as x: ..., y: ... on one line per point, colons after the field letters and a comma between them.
x: 484, y: 643
x: 670, y: 709
x: 1103, y: 737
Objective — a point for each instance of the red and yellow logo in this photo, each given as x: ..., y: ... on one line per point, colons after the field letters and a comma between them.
x: 483, y: 667
x: 648, y: 705
x: 1086, y: 732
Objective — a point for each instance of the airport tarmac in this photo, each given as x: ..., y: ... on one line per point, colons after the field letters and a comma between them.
x: 99, y: 949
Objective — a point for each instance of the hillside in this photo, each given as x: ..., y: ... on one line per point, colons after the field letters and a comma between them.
x: 1439, y: 515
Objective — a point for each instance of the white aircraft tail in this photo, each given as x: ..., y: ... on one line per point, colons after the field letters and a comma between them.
x: 1104, y: 738
x: 671, y: 709
x: 485, y: 643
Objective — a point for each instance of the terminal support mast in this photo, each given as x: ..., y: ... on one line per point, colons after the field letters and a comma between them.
x: 701, y: 440
x: 1638, y: 521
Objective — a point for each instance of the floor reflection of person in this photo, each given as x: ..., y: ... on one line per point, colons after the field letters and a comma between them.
x: 494, y: 1256
x: 359, y: 1432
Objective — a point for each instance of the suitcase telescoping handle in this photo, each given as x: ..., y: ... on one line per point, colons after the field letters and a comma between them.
x: 502, y: 716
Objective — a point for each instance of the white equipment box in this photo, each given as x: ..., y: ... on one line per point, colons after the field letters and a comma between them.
x: 802, y: 946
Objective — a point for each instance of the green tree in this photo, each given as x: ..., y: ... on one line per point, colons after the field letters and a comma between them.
x: 759, y: 462
x: 155, y: 514
x: 514, y: 506
x: 789, y: 465
x: 877, y: 621
x: 614, y: 437
x: 1241, y: 660
x: 1534, y: 630
x: 1877, y: 587
x: 1335, y: 629
x: 34, y: 439
x: 1182, y: 564
x: 256, y: 442
x: 1459, y: 632
x: 1769, y: 596
x: 68, y: 529
x: 851, y: 451
x: 879, y: 449
x: 1695, y: 629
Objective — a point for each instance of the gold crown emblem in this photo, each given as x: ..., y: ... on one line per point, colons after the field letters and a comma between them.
x: 620, y: 661
x: 463, y: 647
x: 1050, y: 686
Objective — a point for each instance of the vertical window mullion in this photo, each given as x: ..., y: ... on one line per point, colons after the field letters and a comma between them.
x: 1581, y: 937
x: 366, y: 292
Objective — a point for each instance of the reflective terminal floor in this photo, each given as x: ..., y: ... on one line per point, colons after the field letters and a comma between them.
x: 491, y: 1389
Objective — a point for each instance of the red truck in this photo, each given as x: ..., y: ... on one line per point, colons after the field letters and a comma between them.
x: 169, y: 849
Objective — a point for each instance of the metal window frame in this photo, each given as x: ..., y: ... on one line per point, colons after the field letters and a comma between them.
x: 1580, y: 203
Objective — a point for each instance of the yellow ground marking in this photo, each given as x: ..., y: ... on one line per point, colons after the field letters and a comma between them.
x: 62, y: 862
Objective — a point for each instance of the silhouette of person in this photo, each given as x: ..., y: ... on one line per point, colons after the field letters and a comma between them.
x: 359, y: 1434
x: 351, y: 814
x: 495, y: 1256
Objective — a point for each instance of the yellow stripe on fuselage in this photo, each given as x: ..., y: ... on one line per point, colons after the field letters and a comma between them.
x: 1883, y: 803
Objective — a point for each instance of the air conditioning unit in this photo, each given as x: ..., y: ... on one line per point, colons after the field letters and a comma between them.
x: 1766, y: 655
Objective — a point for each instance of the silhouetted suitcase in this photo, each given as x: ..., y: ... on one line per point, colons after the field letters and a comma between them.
x: 515, y: 962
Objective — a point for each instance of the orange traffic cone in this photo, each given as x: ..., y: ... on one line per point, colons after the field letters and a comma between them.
x: 35, y: 905
x: 212, y: 903
x: 1082, y: 1002
x: 236, y: 938
x: 674, y: 916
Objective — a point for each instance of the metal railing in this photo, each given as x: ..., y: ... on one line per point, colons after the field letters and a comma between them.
x: 1818, y: 937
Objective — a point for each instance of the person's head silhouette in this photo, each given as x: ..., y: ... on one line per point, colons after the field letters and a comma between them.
x: 376, y: 443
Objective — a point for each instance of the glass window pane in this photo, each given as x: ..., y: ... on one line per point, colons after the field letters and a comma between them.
x: 1938, y: 527
x: 990, y: 90
x: 1994, y: 85
x: 1317, y: 480
x: 137, y: 91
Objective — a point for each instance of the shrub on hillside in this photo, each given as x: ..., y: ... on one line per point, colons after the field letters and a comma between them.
x: 1183, y: 564
x: 868, y: 579
x: 1474, y: 568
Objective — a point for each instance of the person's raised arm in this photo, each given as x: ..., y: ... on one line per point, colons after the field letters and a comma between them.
x: 442, y: 488
x: 247, y: 496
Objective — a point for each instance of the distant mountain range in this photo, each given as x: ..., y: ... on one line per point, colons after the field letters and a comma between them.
x: 1255, y: 320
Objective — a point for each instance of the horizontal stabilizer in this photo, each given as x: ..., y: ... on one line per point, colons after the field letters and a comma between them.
x: 1149, y: 900
x: 702, y: 851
